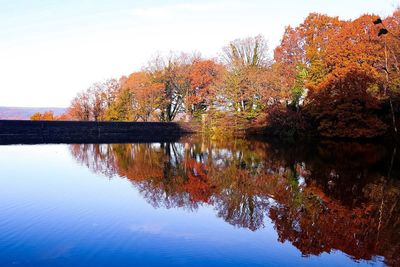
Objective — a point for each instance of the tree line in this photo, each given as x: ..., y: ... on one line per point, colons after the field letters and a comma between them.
x: 49, y: 116
x: 329, y: 77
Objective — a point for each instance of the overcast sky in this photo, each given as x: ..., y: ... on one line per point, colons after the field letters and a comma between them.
x: 51, y: 49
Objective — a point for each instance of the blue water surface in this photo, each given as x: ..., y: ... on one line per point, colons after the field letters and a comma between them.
x: 57, y: 212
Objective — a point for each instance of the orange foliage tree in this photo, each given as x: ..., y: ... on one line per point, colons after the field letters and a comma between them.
x: 36, y: 116
x: 93, y: 103
x: 204, y: 76
x: 45, y: 116
x: 145, y: 95
x: 331, y: 53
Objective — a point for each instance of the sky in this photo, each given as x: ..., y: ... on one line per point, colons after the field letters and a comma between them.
x: 52, y: 49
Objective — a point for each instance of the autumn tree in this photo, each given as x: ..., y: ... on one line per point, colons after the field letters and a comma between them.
x: 346, y: 102
x: 204, y: 77
x: 244, y: 83
x: 48, y: 116
x: 356, y: 44
x: 80, y: 107
x: 317, y: 31
x: 173, y: 72
x: 93, y: 103
x: 101, y: 96
x: 321, y: 55
x: 288, y: 56
x: 45, y: 116
x: 390, y: 38
x: 140, y: 96
x: 64, y: 117
x: 301, y: 57
x: 36, y: 116
x: 122, y: 109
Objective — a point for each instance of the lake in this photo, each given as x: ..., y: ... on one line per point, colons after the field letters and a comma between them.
x: 200, y: 203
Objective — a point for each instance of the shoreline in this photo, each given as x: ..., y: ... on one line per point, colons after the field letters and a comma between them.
x: 73, y: 132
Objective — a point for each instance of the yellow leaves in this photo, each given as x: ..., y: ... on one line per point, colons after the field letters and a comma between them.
x: 47, y: 116
x: 36, y: 117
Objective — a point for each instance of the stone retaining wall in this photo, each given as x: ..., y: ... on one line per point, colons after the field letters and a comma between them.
x: 15, y: 132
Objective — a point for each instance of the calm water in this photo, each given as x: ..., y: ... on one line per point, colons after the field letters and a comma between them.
x: 200, y: 203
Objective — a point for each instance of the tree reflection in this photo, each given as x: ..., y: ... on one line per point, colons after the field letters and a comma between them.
x: 324, y: 197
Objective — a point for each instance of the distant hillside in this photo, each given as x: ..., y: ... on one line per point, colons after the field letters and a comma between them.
x: 14, y: 113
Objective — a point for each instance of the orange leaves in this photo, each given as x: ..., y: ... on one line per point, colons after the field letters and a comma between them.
x: 36, y: 117
x: 93, y: 103
x: 141, y: 84
x: 198, y: 184
x: 356, y: 45
x: 288, y: 55
x: 341, y: 102
x: 204, y: 73
x: 290, y: 51
x: 306, y: 45
x: 64, y: 117
x: 49, y: 116
x: 325, y: 45
x: 318, y: 30
x: 146, y: 94
x: 204, y: 76
x: 345, y: 68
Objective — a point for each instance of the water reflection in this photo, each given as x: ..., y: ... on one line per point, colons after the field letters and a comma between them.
x: 325, y: 197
